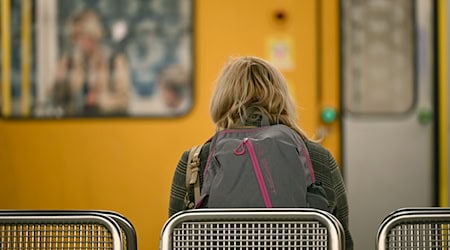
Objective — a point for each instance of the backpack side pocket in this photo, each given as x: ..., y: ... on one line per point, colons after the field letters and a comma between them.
x: 317, y: 197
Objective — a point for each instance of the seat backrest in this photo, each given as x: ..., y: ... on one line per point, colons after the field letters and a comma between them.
x: 21, y: 229
x: 301, y: 228
x: 415, y: 228
x: 128, y: 230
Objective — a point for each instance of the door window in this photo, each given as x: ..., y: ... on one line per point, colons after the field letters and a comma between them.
x: 378, y: 56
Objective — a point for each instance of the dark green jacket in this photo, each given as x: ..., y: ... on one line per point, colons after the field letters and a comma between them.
x: 325, y: 170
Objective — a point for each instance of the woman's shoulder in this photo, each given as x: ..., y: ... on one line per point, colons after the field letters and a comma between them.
x: 320, y: 156
x: 316, y: 149
x: 203, y: 152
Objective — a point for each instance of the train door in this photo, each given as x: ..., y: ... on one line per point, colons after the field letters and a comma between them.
x: 387, y: 110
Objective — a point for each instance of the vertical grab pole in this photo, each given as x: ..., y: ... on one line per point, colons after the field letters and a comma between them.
x: 6, y: 57
x: 443, y: 101
x: 26, y: 56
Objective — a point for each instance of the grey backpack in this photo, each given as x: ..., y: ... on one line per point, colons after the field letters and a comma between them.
x: 258, y: 167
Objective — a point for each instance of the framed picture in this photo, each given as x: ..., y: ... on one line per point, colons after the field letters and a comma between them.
x: 104, y: 58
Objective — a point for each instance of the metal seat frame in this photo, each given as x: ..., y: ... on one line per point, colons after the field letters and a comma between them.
x: 416, y: 219
x: 126, y: 225
x: 121, y: 229
x: 335, y: 234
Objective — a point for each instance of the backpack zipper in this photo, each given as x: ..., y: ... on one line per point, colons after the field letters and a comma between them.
x: 240, y: 150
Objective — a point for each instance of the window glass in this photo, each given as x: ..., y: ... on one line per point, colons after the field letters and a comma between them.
x: 126, y: 58
x: 378, y: 56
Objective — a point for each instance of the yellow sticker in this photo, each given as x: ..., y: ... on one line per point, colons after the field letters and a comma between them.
x: 281, y: 52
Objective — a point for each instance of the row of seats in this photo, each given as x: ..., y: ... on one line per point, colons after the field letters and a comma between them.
x: 302, y: 228
x: 407, y: 228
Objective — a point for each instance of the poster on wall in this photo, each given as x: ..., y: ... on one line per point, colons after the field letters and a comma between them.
x: 106, y: 58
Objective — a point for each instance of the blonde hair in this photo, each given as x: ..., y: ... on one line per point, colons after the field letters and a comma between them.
x: 248, y: 86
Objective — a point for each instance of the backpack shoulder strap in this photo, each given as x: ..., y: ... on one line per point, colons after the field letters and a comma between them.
x: 192, y: 175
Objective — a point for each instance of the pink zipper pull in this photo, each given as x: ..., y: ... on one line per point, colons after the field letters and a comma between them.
x: 240, y: 149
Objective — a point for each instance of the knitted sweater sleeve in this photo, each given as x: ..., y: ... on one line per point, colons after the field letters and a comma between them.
x: 178, y: 189
x: 327, y: 172
x: 341, y: 210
